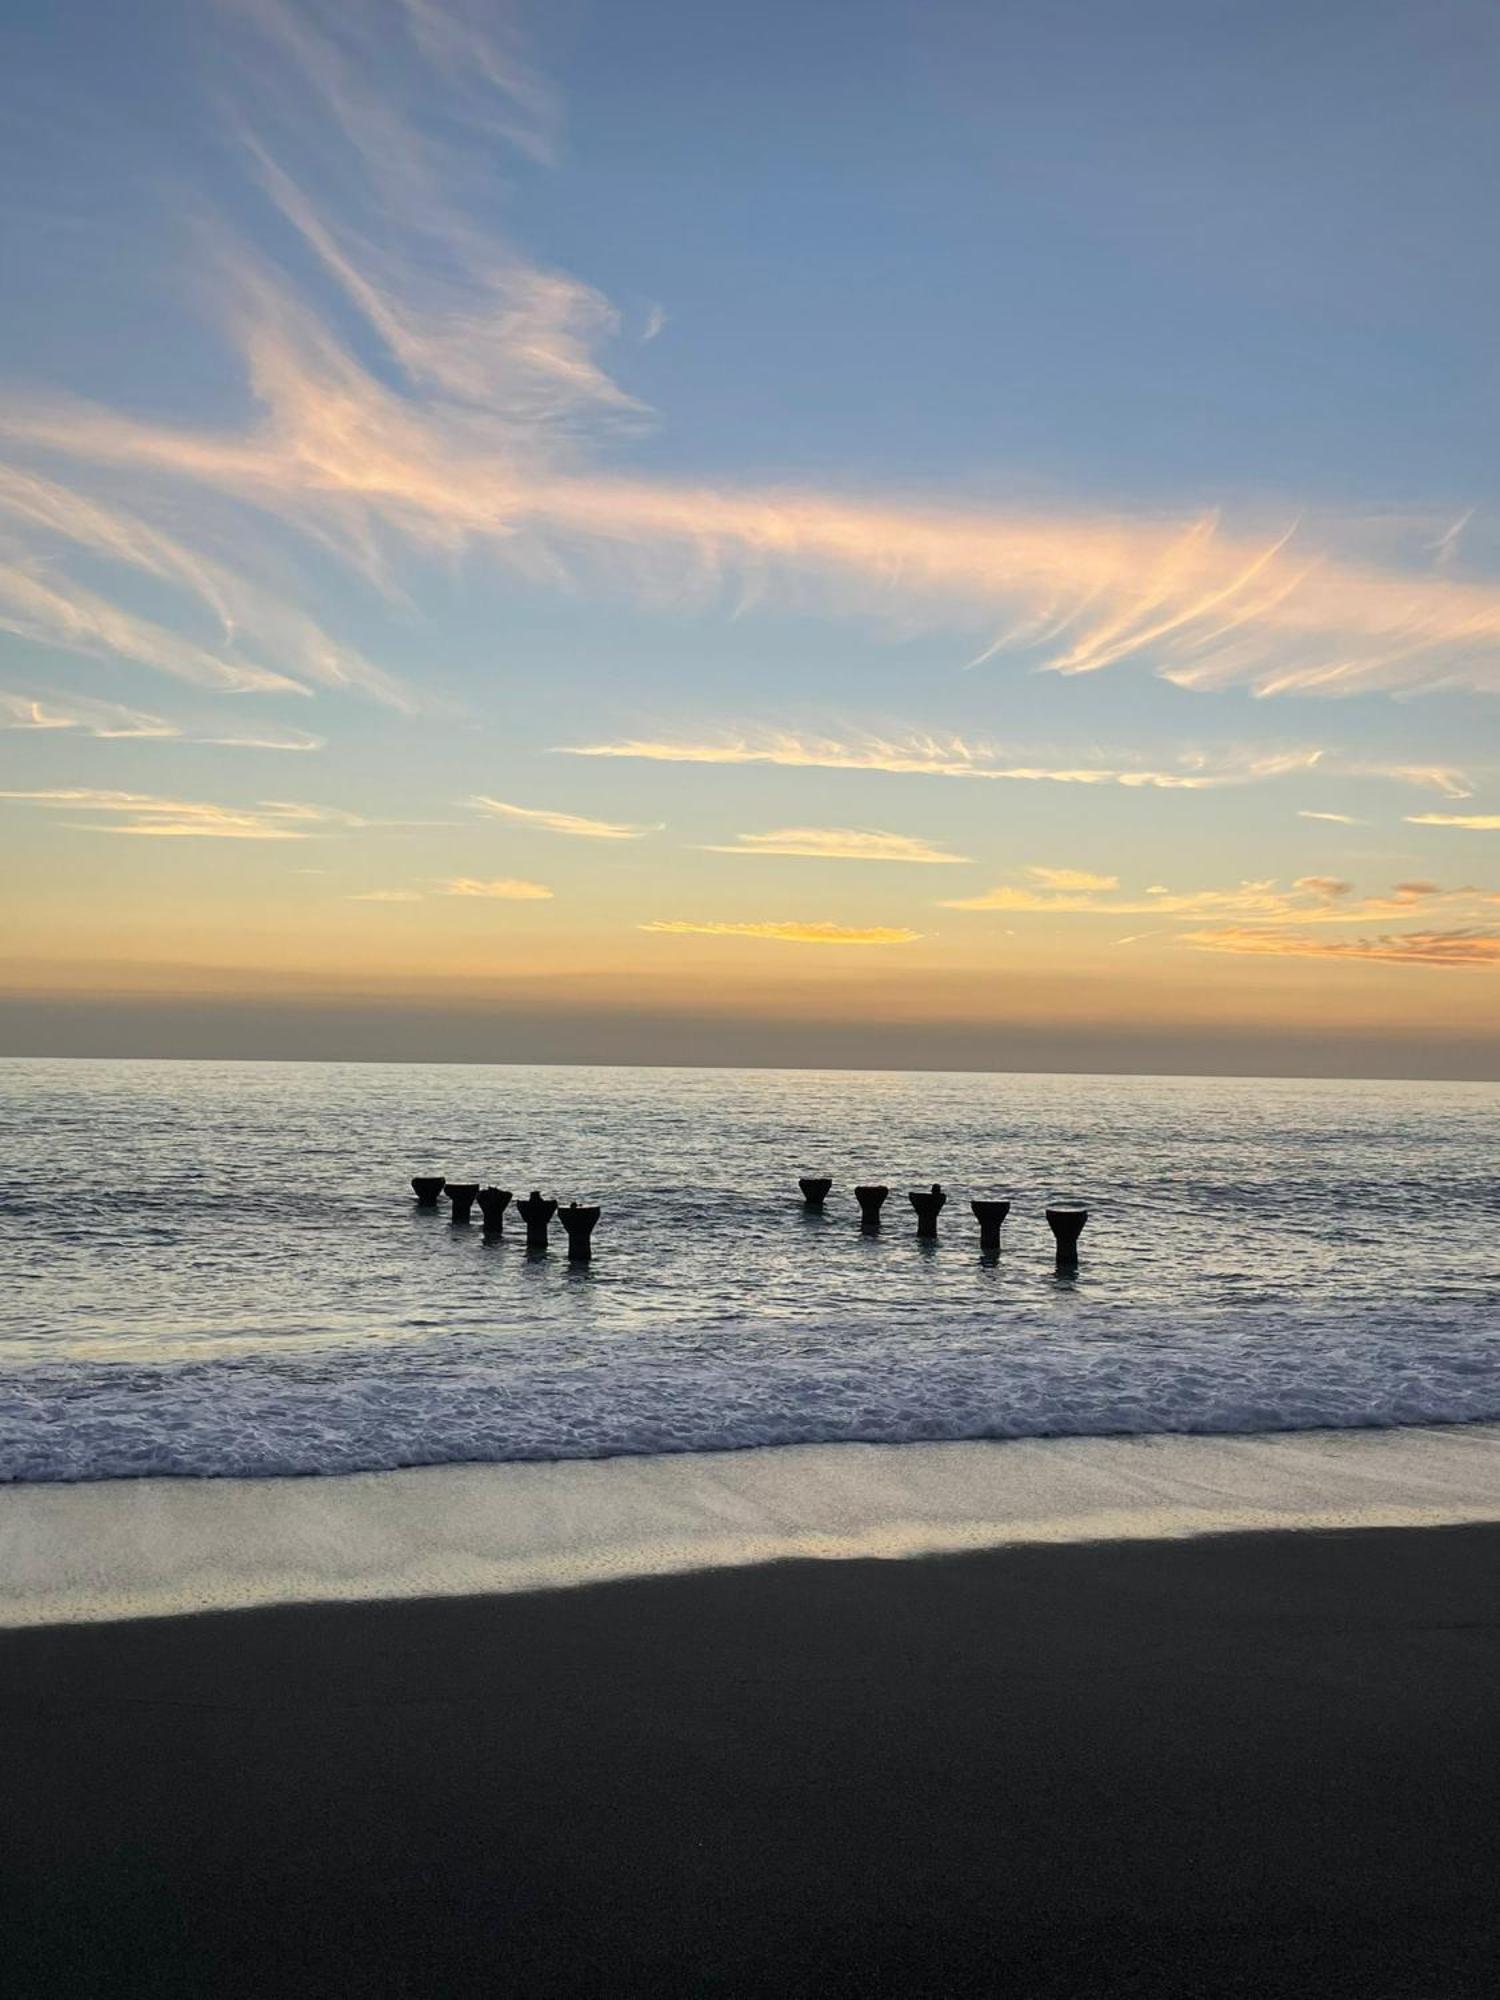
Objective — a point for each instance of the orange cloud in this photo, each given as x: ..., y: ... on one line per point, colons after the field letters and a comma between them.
x: 1466, y: 948
x: 1073, y: 878
x: 1320, y: 899
x: 1324, y: 885
x: 501, y: 889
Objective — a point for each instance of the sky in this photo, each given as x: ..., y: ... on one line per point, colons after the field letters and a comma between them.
x: 940, y: 534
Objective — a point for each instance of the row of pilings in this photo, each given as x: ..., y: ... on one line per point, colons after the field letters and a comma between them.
x: 1066, y: 1220
x: 534, y: 1210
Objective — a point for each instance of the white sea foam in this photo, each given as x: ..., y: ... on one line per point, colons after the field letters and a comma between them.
x: 152, y: 1547
x: 445, y: 1401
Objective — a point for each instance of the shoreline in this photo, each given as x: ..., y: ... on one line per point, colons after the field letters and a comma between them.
x: 1241, y: 1765
x: 104, y: 1551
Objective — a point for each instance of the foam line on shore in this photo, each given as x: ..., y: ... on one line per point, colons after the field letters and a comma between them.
x: 153, y: 1547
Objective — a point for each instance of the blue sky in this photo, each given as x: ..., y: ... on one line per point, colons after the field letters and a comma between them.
x: 982, y: 476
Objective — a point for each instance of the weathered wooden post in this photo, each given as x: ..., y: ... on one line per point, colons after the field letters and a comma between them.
x: 579, y: 1223
x: 927, y: 1206
x: 990, y: 1214
x: 493, y: 1203
x: 1066, y: 1225
x: 461, y: 1194
x: 871, y: 1200
x: 536, y: 1214
x: 427, y: 1188
x: 814, y: 1192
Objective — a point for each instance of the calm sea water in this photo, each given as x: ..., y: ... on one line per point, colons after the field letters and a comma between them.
x: 218, y: 1268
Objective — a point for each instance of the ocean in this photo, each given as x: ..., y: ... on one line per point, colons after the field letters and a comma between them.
x: 218, y: 1269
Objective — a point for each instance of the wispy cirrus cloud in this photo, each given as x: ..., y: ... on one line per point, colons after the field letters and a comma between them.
x: 105, y: 719
x: 1471, y: 822
x: 52, y: 611
x: 953, y: 757
x: 1334, y: 819
x: 265, y: 739
x: 789, y: 933
x: 919, y: 754
x: 574, y: 825
x: 840, y: 843
x: 1444, y: 547
x: 467, y: 412
x: 1209, y: 608
x: 146, y: 814
x: 1444, y: 778
x: 365, y: 68
x: 41, y: 601
x: 111, y: 721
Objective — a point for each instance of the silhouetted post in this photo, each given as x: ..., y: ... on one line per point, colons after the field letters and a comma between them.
x: 427, y: 1188
x: 1066, y: 1225
x: 871, y: 1200
x: 813, y: 1193
x: 991, y: 1214
x: 461, y: 1194
x: 927, y: 1206
x: 493, y: 1203
x: 579, y: 1223
x: 536, y: 1214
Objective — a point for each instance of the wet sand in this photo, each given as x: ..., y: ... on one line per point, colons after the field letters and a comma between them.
x: 1240, y: 1764
x: 115, y: 1549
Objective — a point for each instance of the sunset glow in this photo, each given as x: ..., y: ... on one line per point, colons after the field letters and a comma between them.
x: 469, y: 490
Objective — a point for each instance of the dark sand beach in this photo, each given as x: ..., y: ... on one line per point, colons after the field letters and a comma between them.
x: 1264, y: 1764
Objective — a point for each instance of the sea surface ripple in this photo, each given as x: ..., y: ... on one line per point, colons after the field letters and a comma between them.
x: 217, y: 1268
